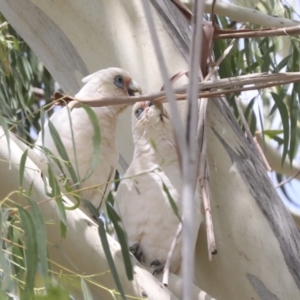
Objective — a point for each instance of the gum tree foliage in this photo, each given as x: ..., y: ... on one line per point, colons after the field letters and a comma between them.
x: 20, y: 72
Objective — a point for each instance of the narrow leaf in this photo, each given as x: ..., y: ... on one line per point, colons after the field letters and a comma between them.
x: 60, y: 208
x: 294, y: 109
x: 87, y: 295
x: 171, y: 200
x: 5, y: 278
x: 285, y: 123
x: 272, y: 133
x: 6, y: 131
x: 62, y: 152
x: 105, y: 245
x: 51, y: 157
x: 115, y: 218
x: 282, y: 64
x: 22, y: 167
x: 96, y: 139
x: 41, y: 236
x: 31, y: 251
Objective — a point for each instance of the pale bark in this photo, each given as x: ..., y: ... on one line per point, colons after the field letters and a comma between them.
x: 81, y: 251
x: 257, y: 240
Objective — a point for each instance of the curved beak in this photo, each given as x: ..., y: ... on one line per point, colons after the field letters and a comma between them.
x: 134, y: 87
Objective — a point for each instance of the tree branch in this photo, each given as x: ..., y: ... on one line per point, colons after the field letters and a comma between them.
x: 257, y: 80
x: 241, y: 14
x: 257, y: 33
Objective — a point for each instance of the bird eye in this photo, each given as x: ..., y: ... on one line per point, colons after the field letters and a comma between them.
x: 119, y: 81
x: 138, y: 112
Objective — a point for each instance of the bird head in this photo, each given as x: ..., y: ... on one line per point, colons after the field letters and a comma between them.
x: 148, y: 118
x: 111, y: 82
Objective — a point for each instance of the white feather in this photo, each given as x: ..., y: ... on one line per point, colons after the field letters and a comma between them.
x: 141, y: 201
x: 99, y: 84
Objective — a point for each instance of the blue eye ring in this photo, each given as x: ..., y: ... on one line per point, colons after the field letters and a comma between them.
x: 138, y: 112
x: 119, y: 81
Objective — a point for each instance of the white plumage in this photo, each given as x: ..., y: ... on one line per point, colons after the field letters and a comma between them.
x: 141, y: 201
x: 111, y: 82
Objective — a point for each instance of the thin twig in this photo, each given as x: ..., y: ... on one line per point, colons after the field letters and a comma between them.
x: 204, y: 176
x: 262, y: 154
x: 258, y: 33
x: 262, y: 80
x: 211, y: 241
x: 259, y: 154
x: 165, y: 280
x: 212, y: 16
x: 287, y: 180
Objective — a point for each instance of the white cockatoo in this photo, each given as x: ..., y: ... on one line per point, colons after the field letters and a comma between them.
x: 141, y: 200
x: 111, y: 82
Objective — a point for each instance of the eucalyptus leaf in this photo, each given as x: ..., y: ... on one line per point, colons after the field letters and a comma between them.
x: 96, y: 140
x: 122, y: 238
x: 62, y: 152
x: 103, y: 237
x: 171, y: 201
x: 22, y: 167
x: 31, y: 250
x: 41, y: 237
x: 285, y: 123
x: 87, y: 295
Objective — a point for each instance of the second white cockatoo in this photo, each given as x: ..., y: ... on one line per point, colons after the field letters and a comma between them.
x: 111, y: 82
x: 142, y: 201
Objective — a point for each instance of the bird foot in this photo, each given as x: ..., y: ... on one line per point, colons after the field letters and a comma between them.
x: 137, y: 251
x: 159, y: 267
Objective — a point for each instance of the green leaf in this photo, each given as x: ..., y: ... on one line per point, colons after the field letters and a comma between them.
x: 294, y: 110
x: 54, y: 293
x: 73, y: 142
x: 7, y: 283
x: 51, y: 157
x: 31, y: 251
x: 171, y: 200
x: 282, y: 63
x: 285, y: 123
x: 22, y: 167
x: 63, y: 229
x: 253, y: 117
x: 75, y: 196
x: 267, y: 60
x: 87, y: 295
x: 41, y: 236
x: 63, y: 153
x: 60, y: 208
x: 6, y: 131
x: 122, y: 237
x: 272, y: 133
x: 96, y: 139
x: 153, y: 144
x: 273, y: 109
x: 105, y: 245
